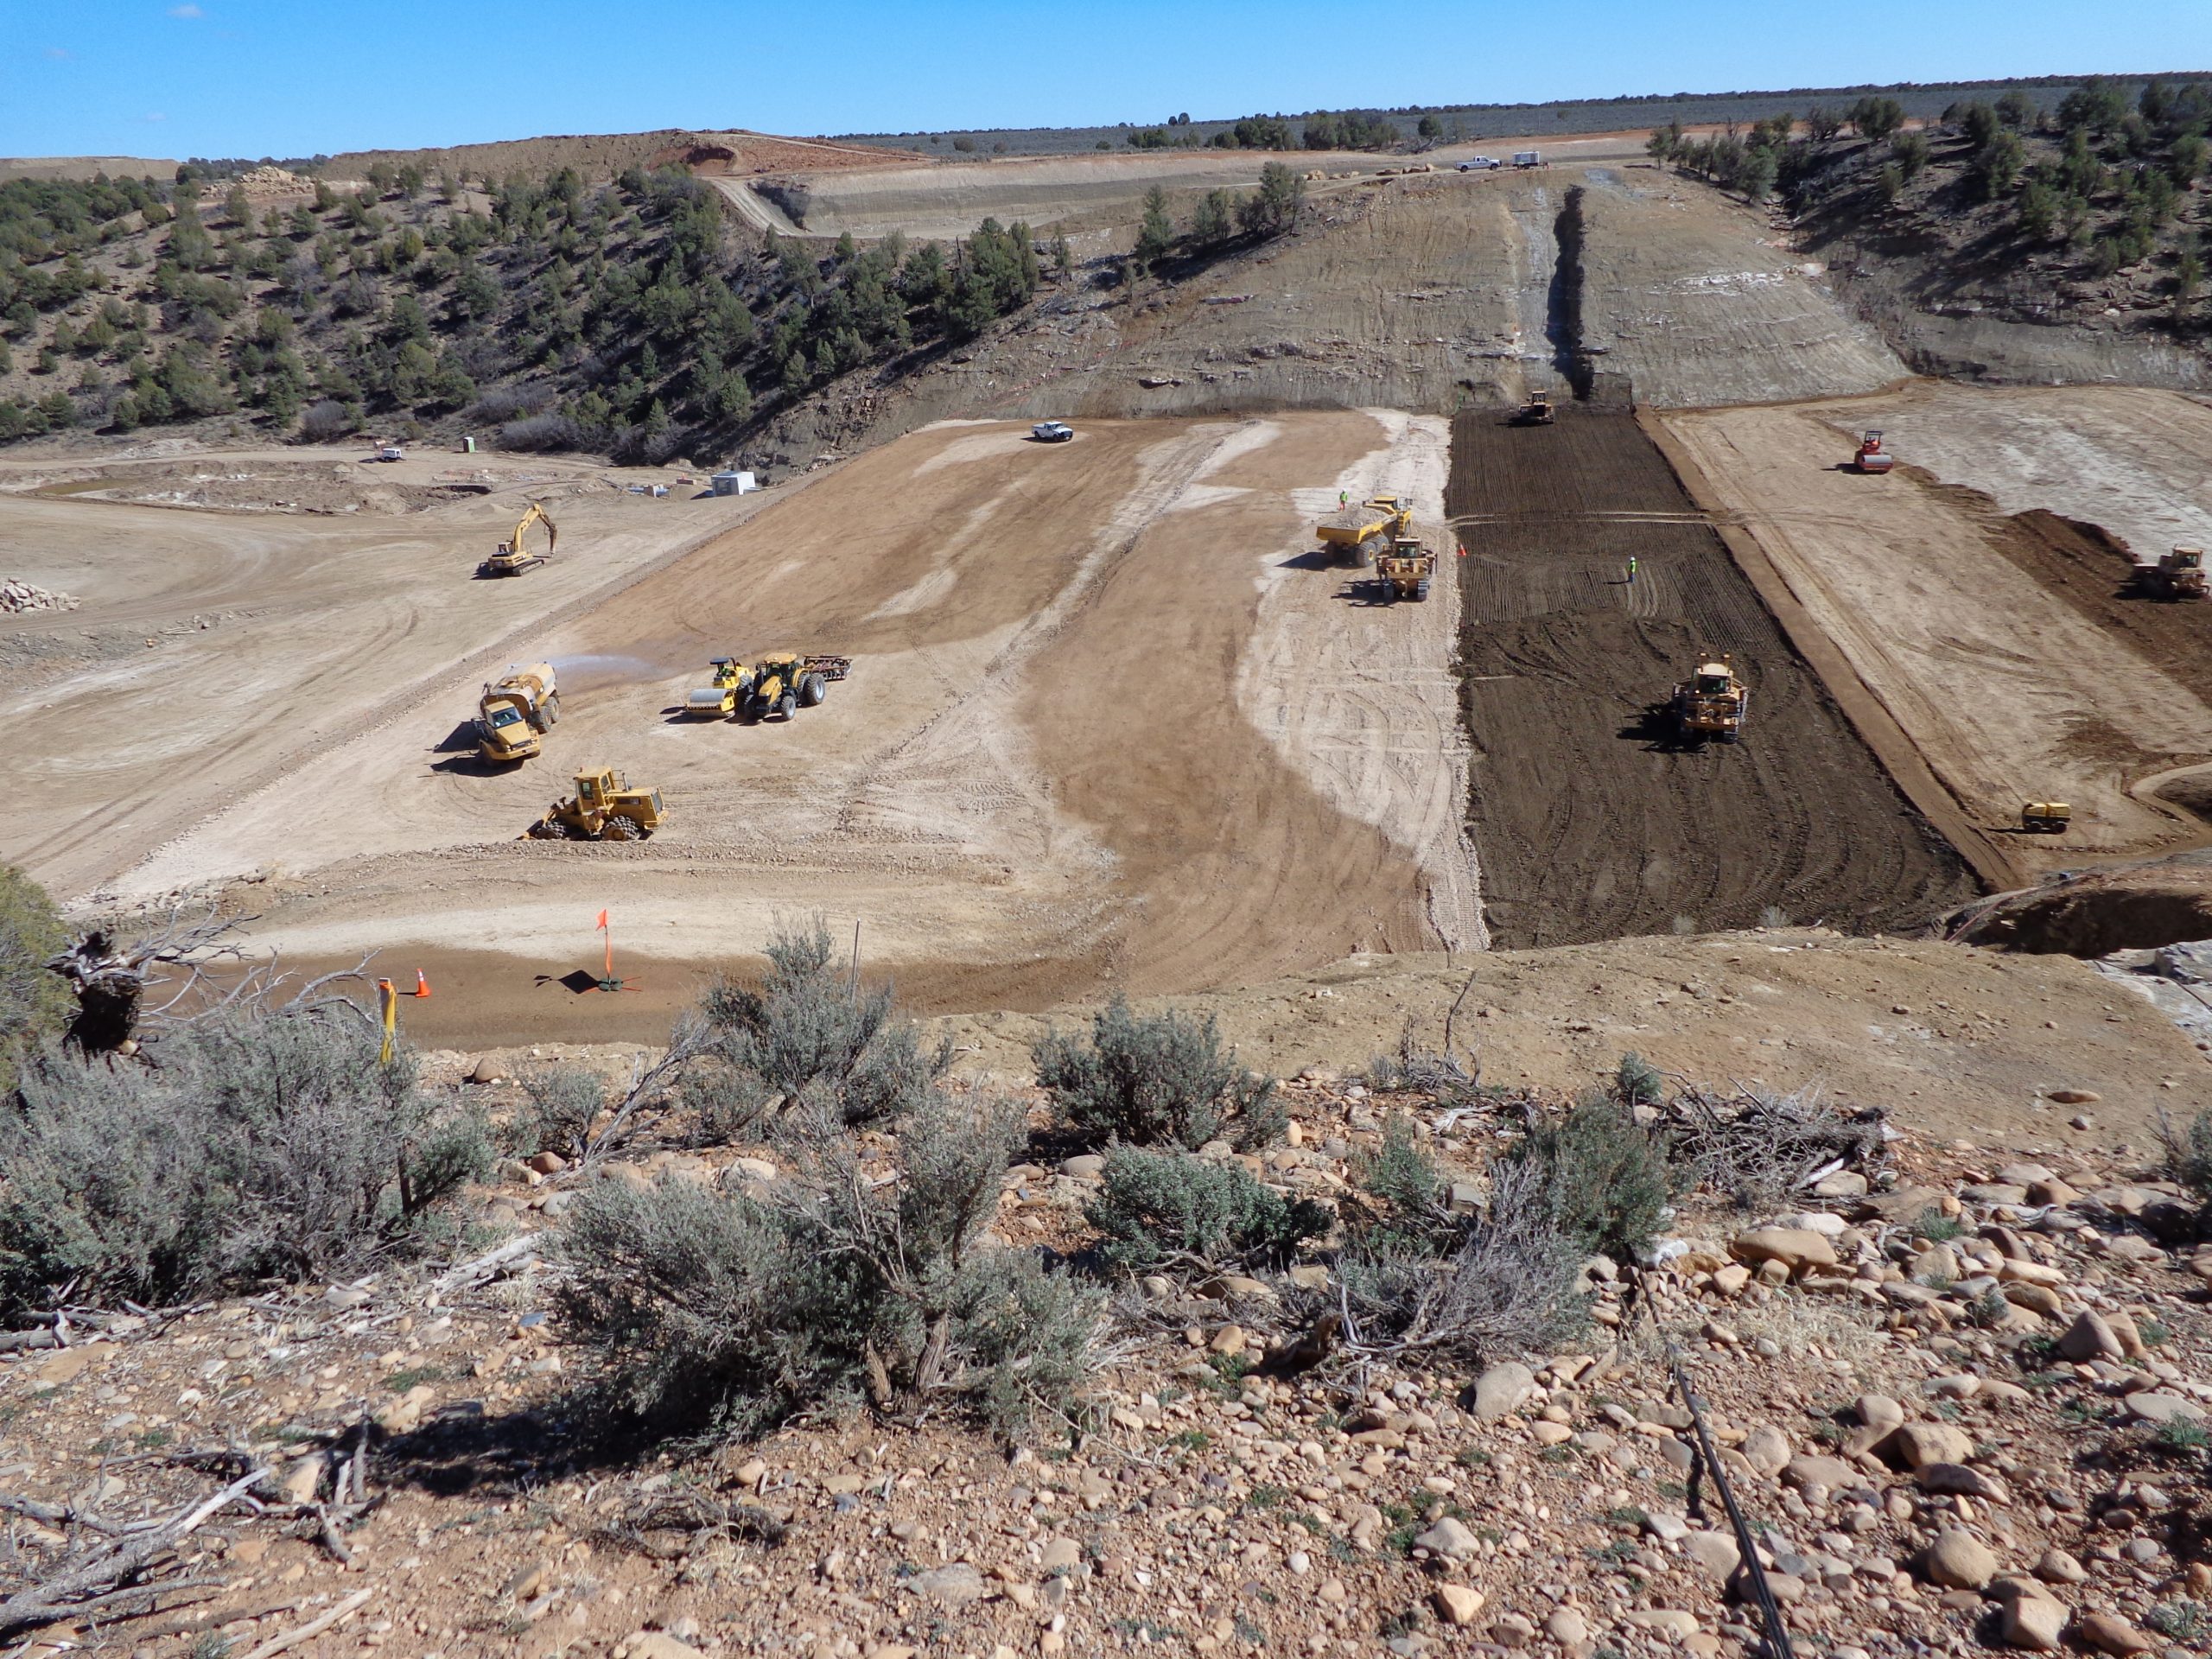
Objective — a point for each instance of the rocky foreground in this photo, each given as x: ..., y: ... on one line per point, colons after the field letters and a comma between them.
x: 1959, y: 1395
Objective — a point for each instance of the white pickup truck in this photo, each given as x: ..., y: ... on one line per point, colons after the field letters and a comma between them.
x: 1051, y: 432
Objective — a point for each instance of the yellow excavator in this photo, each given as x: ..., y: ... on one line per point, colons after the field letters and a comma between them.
x: 513, y: 557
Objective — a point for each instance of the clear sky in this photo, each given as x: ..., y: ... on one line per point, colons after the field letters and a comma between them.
x: 163, y: 77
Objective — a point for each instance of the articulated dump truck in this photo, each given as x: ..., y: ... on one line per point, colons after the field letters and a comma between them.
x: 1356, y: 535
x: 515, y: 712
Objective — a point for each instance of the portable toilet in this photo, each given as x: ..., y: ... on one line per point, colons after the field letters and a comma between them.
x: 735, y: 483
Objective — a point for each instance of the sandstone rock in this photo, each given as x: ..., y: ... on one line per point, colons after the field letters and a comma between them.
x: 1059, y: 1555
x: 2090, y: 1338
x: 1501, y: 1390
x: 1511, y: 1630
x: 1920, y: 1443
x: 2032, y: 1623
x: 1830, y: 1472
x: 1546, y: 1434
x: 953, y: 1585
x: 1085, y: 1167
x: 1957, y: 1561
x: 547, y: 1163
x: 1568, y: 1628
x: 1669, y: 1621
x: 1714, y: 1552
x: 1878, y: 1411
x: 1230, y: 1339
x: 1457, y: 1603
x: 1959, y: 1480
x: 1451, y: 1540
x: 2056, y: 1567
x: 304, y: 1478
x: 842, y: 1486
x: 2156, y: 1405
x: 2075, y: 1096
x: 1766, y: 1449
x: 2109, y: 1633
x: 655, y: 1644
x: 2037, y: 1299
x: 1730, y: 1280
x: 1795, y: 1248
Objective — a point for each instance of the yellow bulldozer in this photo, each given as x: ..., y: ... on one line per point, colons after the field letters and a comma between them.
x: 604, y: 808
x: 1712, y: 703
x: 515, y: 712
x: 783, y: 684
x: 1405, y: 570
x: 1357, y: 534
x: 514, y: 557
x: 1537, y: 412
x: 2177, y: 574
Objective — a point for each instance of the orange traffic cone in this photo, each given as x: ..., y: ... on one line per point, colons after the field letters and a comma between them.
x: 422, y: 985
x: 1463, y: 549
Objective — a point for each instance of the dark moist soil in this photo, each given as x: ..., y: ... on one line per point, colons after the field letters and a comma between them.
x: 1591, y: 823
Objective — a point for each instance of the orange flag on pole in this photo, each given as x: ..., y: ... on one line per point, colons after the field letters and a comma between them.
x: 610, y: 943
x: 601, y: 922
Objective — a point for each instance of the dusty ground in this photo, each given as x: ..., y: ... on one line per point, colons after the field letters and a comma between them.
x: 215, y: 651
x: 1593, y: 823
x: 1999, y: 643
x: 1106, y: 726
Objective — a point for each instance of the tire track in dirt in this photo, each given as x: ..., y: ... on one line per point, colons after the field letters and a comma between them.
x: 1590, y: 824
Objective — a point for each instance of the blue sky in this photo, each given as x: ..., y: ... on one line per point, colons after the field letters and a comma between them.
x: 296, y: 77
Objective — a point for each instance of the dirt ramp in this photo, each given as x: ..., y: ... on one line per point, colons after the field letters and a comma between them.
x: 2135, y: 906
x: 1591, y: 823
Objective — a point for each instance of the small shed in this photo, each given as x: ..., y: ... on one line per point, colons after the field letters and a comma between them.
x: 735, y: 483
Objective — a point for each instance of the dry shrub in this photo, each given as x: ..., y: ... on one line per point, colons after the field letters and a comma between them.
x: 808, y: 1040
x: 265, y: 1146
x: 1153, y: 1080
x: 1172, y: 1210
x: 712, y: 1313
x: 1757, y: 1150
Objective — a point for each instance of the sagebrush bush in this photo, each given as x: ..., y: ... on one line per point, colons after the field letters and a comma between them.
x: 33, y: 1003
x: 561, y: 1105
x: 1638, y: 1081
x: 808, y: 1036
x: 1170, y: 1209
x: 1153, y: 1080
x: 2189, y: 1152
x: 262, y: 1147
x: 1503, y: 1282
x: 1600, y: 1175
x: 713, y: 1313
x: 1409, y: 1185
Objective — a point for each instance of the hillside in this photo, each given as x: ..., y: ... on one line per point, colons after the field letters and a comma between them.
x: 631, y: 317
x: 1449, y: 123
x: 2005, y: 236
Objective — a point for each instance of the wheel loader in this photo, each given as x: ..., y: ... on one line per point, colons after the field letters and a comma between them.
x: 604, y: 808
x: 2177, y: 574
x: 1357, y: 534
x: 513, y: 557
x: 786, y: 682
x: 515, y: 712
x: 2045, y: 818
x: 1405, y: 570
x: 1712, y: 703
x: 718, y: 699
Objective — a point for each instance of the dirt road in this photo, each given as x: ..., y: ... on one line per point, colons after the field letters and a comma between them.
x: 1592, y: 825
x: 1107, y: 726
x: 2001, y: 642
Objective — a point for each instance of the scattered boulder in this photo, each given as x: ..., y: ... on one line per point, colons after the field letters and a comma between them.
x: 1501, y: 1390
x: 953, y: 1585
x: 1958, y: 1561
x: 1767, y: 1449
x: 2056, y: 1567
x: 1456, y: 1602
x: 2033, y: 1623
x: 2090, y: 1338
x: 1451, y: 1540
x: 1923, y: 1443
x: 2109, y: 1632
x: 1796, y: 1248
